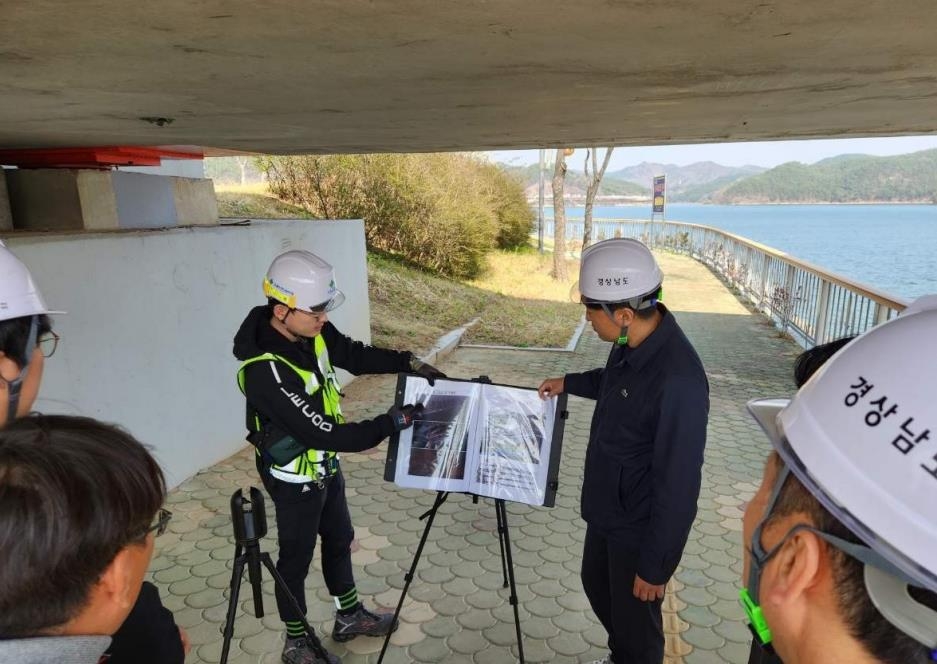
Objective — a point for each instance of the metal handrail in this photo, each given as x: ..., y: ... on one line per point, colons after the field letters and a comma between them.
x: 811, y: 304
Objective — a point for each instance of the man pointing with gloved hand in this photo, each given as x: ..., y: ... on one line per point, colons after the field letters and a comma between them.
x: 404, y: 416
x: 288, y: 349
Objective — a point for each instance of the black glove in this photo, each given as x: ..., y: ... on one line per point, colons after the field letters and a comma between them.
x: 427, y: 371
x: 404, y: 416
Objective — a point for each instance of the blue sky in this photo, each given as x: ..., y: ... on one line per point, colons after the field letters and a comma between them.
x: 767, y: 153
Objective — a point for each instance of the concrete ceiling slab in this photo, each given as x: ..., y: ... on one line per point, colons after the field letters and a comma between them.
x: 405, y: 75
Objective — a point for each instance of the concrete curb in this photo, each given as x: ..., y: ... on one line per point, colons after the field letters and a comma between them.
x: 446, y: 344
x: 570, y: 347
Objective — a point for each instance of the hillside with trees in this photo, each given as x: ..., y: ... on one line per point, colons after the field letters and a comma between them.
x: 910, y: 178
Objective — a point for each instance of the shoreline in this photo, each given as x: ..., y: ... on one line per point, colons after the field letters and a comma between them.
x: 751, y: 204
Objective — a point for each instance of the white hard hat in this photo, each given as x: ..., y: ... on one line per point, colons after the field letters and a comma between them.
x: 619, y: 270
x: 19, y: 295
x: 861, y: 436
x: 302, y: 280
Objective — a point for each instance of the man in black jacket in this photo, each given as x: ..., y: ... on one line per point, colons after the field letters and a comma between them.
x: 645, y: 453
x: 288, y: 349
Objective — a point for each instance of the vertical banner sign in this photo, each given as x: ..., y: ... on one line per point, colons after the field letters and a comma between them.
x: 659, y: 187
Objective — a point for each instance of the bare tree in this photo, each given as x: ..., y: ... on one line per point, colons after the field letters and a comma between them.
x: 559, y: 217
x: 242, y: 162
x: 592, y: 188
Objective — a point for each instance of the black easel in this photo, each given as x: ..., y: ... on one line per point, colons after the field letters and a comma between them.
x: 250, y: 524
x: 504, y: 538
x: 507, y: 564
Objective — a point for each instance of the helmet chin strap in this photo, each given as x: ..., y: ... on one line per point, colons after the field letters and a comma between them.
x: 622, y: 339
x: 15, y: 386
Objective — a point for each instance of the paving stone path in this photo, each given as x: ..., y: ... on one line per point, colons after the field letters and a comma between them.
x: 457, y: 610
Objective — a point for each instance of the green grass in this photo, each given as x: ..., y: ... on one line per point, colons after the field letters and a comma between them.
x: 253, y: 202
x: 516, y: 302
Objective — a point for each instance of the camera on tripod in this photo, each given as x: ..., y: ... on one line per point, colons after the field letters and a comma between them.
x: 249, y: 519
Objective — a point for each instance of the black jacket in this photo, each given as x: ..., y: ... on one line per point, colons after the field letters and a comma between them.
x: 277, y: 394
x: 149, y: 634
x: 645, y: 455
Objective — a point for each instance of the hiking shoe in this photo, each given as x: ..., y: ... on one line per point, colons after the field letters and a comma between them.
x: 298, y: 651
x: 364, y: 622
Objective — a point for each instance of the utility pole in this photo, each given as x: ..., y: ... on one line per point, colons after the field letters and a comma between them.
x: 540, y: 206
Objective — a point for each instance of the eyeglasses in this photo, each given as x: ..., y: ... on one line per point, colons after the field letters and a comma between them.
x: 162, y: 521
x: 48, y: 343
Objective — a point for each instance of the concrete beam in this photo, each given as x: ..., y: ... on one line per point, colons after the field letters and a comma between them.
x: 75, y: 199
x: 195, y: 201
x: 410, y: 75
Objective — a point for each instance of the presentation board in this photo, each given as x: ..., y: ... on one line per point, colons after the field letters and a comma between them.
x: 481, y: 438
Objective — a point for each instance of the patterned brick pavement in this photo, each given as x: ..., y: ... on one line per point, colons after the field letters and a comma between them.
x: 457, y: 610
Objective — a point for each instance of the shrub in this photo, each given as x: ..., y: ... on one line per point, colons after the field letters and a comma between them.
x: 514, y: 216
x: 442, y: 211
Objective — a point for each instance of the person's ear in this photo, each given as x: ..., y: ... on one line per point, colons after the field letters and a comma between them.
x: 798, y: 568
x: 120, y: 583
x: 114, y: 594
x: 8, y: 367
x: 624, y: 316
x: 280, y: 311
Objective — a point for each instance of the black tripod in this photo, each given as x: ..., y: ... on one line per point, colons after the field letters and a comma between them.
x: 507, y: 563
x: 250, y: 524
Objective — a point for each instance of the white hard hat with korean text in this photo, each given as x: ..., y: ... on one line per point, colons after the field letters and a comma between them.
x: 619, y: 270
x: 861, y: 435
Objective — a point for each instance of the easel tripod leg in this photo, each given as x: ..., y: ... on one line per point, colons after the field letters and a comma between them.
x: 499, y: 505
x: 430, y: 515
x: 501, y: 526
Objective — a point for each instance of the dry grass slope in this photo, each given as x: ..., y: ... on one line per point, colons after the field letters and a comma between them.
x: 516, y: 301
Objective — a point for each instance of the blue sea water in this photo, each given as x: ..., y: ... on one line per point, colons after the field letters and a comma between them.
x: 890, y: 247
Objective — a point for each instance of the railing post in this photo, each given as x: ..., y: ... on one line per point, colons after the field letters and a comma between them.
x: 789, y: 297
x: 821, y: 333
x: 765, y: 269
x: 881, y: 313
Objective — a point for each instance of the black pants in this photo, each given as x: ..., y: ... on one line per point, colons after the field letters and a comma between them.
x: 304, y: 511
x: 635, y: 628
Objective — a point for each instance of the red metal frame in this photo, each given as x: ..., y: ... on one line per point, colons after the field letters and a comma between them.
x: 92, y: 157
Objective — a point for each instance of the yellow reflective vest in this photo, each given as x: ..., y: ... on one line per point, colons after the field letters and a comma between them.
x: 310, y: 465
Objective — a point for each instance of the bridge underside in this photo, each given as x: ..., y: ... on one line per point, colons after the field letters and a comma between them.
x: 350, y: 75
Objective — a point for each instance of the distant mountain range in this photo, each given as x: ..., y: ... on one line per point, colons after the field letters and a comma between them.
x: 910, y: 178
x: 685, y: 183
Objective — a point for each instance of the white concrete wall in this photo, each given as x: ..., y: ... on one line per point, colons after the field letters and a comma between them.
x: 151, y: 315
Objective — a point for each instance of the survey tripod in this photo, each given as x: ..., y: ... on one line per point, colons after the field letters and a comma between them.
x: 507, y: 564
x: 250, y: 525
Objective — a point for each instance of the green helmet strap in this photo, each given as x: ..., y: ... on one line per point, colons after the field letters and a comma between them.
x: 756, y: 618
